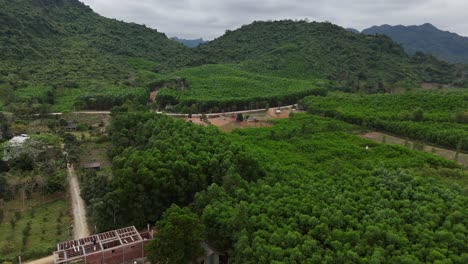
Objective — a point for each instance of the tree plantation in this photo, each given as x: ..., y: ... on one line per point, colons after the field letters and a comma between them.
x: 223, y: 87
x: 304, y: 191
x: 439, y: 117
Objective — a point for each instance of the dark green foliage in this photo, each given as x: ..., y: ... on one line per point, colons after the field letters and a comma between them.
x: 169, y: 161
x: 178, y: 239
x: 111, y: 96
x: 431, y: 116
x: 56, y: 182
x: 325, y: 198
x: 240, y: 118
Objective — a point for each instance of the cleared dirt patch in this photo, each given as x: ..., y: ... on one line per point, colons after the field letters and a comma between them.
x: 444, y: 153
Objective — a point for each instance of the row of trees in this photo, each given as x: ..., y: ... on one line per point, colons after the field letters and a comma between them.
x: 436, y: 117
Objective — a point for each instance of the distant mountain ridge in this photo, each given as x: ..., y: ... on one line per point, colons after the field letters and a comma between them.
x: 428, y: 39
x: 191, y: 43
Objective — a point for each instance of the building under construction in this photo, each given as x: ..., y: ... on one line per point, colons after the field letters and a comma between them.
x: 113, y: 247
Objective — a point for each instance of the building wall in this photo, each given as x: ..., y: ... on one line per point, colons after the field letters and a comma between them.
x: 132, y: 252
x: 113, y: 256
x: 94, y: 258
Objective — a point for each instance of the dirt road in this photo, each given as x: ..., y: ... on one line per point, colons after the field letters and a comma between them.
x: 80, y: 225
x: 46, y: 260
x: 444, y: 153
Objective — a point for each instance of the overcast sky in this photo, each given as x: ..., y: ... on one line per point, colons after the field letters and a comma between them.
x: 210, y: 18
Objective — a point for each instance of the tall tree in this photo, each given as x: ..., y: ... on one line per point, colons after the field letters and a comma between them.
x: 179, y: 237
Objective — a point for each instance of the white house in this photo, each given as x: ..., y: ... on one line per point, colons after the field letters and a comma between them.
x: 13, y: 148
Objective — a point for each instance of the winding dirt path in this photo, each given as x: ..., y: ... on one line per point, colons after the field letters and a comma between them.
x: 80, y: 226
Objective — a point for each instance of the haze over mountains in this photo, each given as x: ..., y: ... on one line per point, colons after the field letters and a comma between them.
x: 428, y: 39
x: 191, y: 43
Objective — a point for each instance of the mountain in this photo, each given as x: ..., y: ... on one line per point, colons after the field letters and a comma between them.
x: 191, y: 43
x: 428, y: 39
x: 353, y: 30
x: 64, y: 43
x: 302, y: 50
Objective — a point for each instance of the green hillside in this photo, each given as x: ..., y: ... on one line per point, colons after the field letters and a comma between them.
x: 225, y: 87
x: 298, y: 49
x: 63, y: 43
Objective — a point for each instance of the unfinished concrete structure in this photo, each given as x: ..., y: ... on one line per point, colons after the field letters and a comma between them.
x: 113, y: 247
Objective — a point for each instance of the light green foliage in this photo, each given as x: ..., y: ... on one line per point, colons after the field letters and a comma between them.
x: 178, y: 239
x: 230, y: 88
x: 432, y: 116
x: 41, y: 94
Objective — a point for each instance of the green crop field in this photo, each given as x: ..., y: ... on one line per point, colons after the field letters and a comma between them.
x: 439, y: 117
x: 212, y: 87
x: 48, y: 218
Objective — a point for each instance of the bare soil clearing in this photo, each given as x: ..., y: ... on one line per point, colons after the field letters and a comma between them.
x: 444, y: 153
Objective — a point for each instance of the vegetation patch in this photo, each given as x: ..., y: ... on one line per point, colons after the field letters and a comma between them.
x: 438, y: 117
x: 32, y: 229
x: 226, y: 87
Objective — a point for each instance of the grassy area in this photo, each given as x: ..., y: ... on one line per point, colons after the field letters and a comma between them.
x: 65, y: 99
x: 49, y: 219
x: 96, y: 151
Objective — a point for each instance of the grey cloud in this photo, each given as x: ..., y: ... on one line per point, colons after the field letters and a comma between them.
x: 210, y: 18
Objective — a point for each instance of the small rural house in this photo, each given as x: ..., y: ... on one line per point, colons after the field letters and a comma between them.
x: 71, y: 127
x: 92, y: 166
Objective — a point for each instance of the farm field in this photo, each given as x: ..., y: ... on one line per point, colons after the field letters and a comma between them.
x: 48, y: 218
x: 225, y: 87
x: 437, y: 117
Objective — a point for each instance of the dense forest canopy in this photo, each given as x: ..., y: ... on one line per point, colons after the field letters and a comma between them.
x: 303, y: 191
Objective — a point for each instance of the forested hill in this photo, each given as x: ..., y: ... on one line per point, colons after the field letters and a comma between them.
x: 299, y: 49
x: 428, y: 39
x: 64, y: 42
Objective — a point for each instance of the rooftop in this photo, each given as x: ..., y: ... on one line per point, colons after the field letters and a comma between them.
x: 75, y: 250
